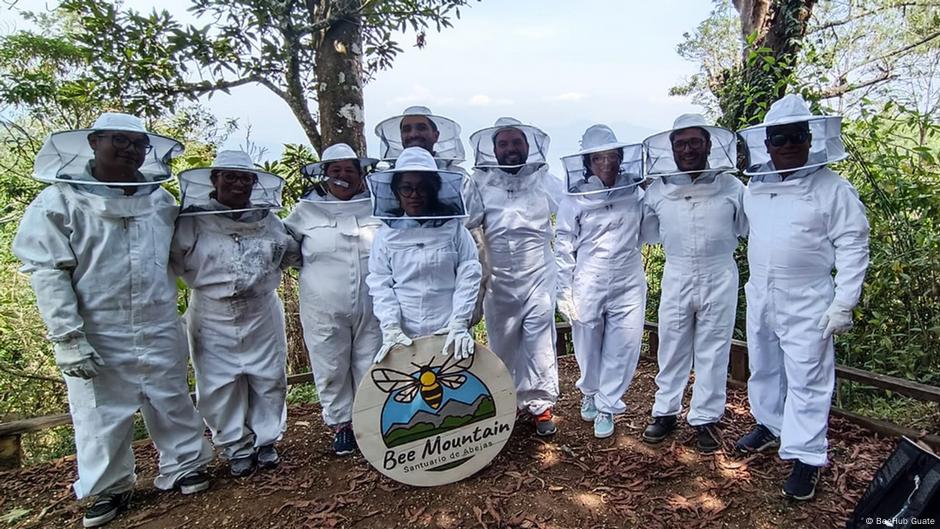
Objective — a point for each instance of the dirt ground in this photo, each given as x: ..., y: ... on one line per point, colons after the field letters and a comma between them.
x: 570, y: 481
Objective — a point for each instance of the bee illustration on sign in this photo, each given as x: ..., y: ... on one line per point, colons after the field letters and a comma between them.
x: 431, y: 400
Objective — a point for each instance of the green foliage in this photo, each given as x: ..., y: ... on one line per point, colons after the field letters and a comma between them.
x: 292, y: 160
x: 898, y: 177
x: 302, y: 394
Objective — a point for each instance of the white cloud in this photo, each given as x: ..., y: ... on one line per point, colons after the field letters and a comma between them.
x: 567, y: 96
x: 482, y: 100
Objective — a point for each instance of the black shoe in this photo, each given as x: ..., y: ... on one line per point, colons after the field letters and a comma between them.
x: 194, y: 482
x: 707, y: 439
x: 659, y: 428
x: 267, y: 457
x: 344, y: 441
x: 241, y: 466
x: 801, y: 485
x: 758, y: 439
x: 106, y: 508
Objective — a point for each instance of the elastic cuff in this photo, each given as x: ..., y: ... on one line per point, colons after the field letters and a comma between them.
x: 67, y: 337
x: 458, y: 324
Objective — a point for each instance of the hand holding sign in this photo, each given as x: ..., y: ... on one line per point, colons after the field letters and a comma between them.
x: 391, y: 336
x: 459, y: 336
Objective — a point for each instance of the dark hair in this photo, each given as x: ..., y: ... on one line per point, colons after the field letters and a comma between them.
x: 586, y: 161
x: 435, y: 206
x: 326, y: 165
x: 708, y: 135
x: 506, y: 129
x: 320, y: 186
x: 801, y: 125
x: 433, y: 179
x: 430, y: 121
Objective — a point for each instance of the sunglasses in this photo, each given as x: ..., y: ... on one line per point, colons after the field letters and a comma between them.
x: 794, y: 138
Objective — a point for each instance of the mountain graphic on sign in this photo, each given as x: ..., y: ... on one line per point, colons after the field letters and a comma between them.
x: 432, y: 400
x: 454, y: 414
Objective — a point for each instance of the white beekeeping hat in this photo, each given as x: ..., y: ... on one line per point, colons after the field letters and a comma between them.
x: 448, y: 146
x: 826, y: 146
x: 598, y: 139
x: 483, y: 143
x: 197, y: 190
x: 68, y: 157
x: 660, y: 157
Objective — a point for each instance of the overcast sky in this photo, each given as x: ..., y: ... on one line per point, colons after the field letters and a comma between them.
x: 558, y: 64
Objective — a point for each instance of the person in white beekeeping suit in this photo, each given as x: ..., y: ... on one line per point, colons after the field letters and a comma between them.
x: 333, y: 223
x: 417, y: 126
x: 512, y: 196
x: 695, y: 208
x: 96, y: 243
x: 423, y: 269
x: 601, y: 281
x: 804, y: 220
x: 230, y: 247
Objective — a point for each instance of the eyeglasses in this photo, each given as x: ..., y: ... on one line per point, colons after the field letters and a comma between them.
x: 120, y: 141
x: 782, y: 138
x: 231, y: 177
x: 410, y: 191
x: 691, y: 143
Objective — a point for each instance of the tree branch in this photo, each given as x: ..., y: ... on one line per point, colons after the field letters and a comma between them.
x: 899, y: 51
x: 6, y: 368
x: 864, y: 14
x: 844, y: 88
x: 211, y: 86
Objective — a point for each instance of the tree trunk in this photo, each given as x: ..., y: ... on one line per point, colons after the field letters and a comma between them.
x: 338, y: 70
x: 777, y: 25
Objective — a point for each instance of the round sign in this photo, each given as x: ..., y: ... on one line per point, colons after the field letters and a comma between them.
x: 426, y: 419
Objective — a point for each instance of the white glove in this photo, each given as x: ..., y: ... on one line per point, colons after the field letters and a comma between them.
x: 459, y: 336
x: 836, y: 320
x: 565, y: 304
x: 77, y: 358
x: 391, y: 336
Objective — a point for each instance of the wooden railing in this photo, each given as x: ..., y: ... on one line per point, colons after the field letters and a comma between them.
x: 12, y: 432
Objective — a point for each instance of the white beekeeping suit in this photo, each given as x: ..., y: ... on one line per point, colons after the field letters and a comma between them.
x: 423, y: 270
x: 335, y: 235
x: 230, y: 247
x: 96, y: 243
x: 417, y: 126
x: 694, y: 207
x: 804, y: 221
x: 601, y: 282
x: 512, y: 196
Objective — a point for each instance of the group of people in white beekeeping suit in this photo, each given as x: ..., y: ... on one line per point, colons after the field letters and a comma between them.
x: 418, y: 248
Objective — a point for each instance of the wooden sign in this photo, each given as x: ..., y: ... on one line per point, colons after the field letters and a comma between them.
x: 425, y: 419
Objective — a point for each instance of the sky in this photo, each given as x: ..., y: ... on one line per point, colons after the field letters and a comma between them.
x: 557, y: 64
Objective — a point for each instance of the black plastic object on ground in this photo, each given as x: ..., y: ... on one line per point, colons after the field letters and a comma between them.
x: 905, y: 491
